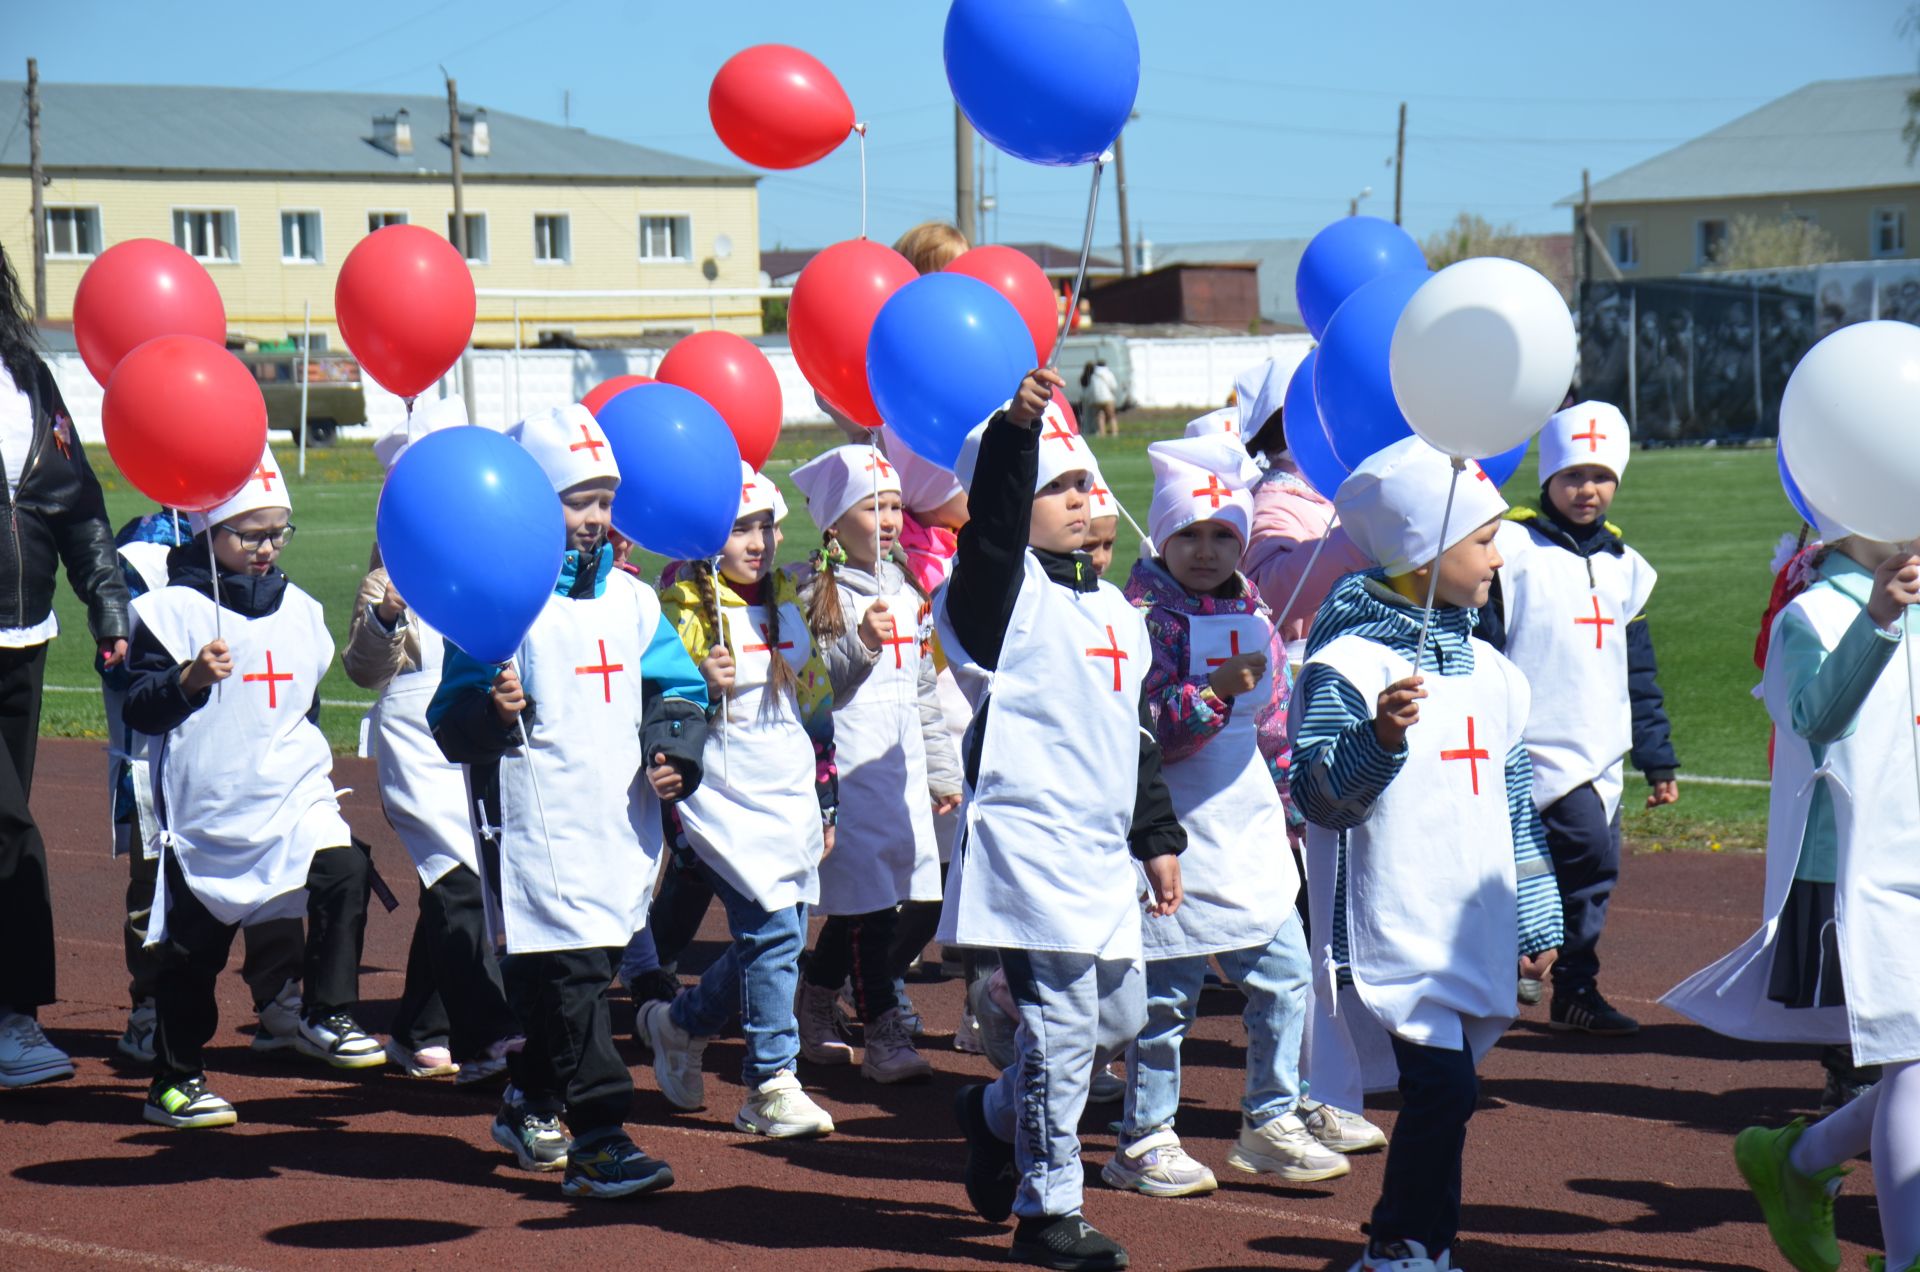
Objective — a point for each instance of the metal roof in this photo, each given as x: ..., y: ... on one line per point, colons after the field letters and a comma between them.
x: 1830, y: 135
x: 94, y: 127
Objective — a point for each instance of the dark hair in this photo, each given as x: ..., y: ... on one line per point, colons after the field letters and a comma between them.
x: 1272, y: 437
x: 19, y: 342
x: 780, y: 677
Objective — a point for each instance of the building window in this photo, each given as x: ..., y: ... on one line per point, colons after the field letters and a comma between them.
x: 206, y: 234
x: 552, y: 237
x: 300, y: 238
x: 1623, y: 243
x: 319, y: 344
x: 476, y: 236
x: 73, y: 231
x: 1708, y: 234
x: 381, y: 220
x: 666, y: 238
x: 1890, y: 231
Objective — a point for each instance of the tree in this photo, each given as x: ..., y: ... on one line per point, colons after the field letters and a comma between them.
x: 1910, y: 28
x: 1783, y: 242
x: 1473, y: 235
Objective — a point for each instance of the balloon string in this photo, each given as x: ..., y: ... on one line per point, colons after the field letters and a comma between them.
x: 1913, y: 707
x: 720, y: 638
x: 539, y: 801
x: 1301, y: 583
x: 1080, y: 276
x: 1433, y: 577
x: 1121, y: 508
x: 213, y: 568
x: 861, y: 128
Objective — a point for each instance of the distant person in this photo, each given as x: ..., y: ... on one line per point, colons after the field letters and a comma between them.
x: 931, y: 246
x: 1103, y: 395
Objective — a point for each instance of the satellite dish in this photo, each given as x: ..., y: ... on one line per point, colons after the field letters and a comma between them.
x: 722, y: 246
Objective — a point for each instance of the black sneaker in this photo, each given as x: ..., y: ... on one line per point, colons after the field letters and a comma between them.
x: 1841, y: 1091
x: 658, y: 985
x: 1585, y: 1011
x: 187, y: 1104
x: 611, y: 1165
x: 1067, y: 1242
x: 990, y: 1176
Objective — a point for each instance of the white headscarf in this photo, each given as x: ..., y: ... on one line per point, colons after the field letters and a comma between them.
x: 267, y: 488
x: 1392, y: 504
x: 568, y: 444
x: 1207, y: 478
x: 842, y: 477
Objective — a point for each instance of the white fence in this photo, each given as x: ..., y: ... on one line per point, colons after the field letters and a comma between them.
x: 1167, y: 374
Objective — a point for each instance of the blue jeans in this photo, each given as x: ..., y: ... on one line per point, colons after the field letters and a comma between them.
x: 1275, y: 979
x: 756, y: 977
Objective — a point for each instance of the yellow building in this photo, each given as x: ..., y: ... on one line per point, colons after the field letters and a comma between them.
x: 271, y: 190
x: 1831, y: 152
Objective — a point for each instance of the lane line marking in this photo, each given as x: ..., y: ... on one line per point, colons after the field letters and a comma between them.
x: 111, y: 1254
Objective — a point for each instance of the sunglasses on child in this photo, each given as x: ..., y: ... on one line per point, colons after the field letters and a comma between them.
x: 260, y: 539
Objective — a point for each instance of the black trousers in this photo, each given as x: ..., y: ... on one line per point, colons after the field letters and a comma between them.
x: 275, y: 949
x: 569, y: 1064
x: 1420, y: 1196
x: 678, y: 907
x: 453, y: 993
x: 860, y: 947
x: 1585, y: 845
x: 197, y: 944
x: 26, y: 900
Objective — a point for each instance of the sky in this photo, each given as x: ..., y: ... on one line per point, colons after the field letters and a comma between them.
x: 1256, y: 118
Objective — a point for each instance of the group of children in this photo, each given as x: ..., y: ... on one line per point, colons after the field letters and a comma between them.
x: 1365, y: 790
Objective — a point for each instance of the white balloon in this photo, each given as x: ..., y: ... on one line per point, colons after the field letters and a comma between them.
x: 1850, y: 424
x: 1482, y: 355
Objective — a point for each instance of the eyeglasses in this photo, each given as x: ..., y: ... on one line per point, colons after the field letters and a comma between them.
x: 255, y: 542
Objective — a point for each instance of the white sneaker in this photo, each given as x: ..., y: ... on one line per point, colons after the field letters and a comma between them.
x: 677, y: 1055
x: 1285, y: 1147
x: 1107, y: 1087
x: 822, y: 1038
x: 966, y: 1038
x: 136, y: 1043
x: 997, y: 1030
x: 889, y: 1056
x: 279, y: 1020
x: 1531, y: 991
x: 427, y: 1062
x: 26, y: 1057
x: 1157, y: 1166
x: 779, y: 1109
x: 1404, y: 1256
x: 490, y: 1063
x: 339, y: 1041
x: 908, y: 1015
x: 1339, y: 1130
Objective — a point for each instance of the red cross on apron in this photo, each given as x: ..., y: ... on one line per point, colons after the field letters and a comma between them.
x: 605, y: 671
x: 1057, y: 434
x: 1471, y: 754
x: 897, y: 641
x: 1112, y: 651
x: 266, y: 476
x: 766, y: 634
x: 588, y: 442
x: 272, y: 679
x: 1598, y: 623
x: 1592, y: 437
x: 1213, y: 490
x: 1233, y: 644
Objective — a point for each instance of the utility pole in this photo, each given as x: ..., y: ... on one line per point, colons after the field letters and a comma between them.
x: 459, y: 235
x: 963, y: 194
x: 1399, y: 162
x: 1120, y: 193
x: 1590, y: 237
x: 37, y: 177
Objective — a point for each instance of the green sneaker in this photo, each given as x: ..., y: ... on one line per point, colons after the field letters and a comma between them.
x: 187, y: 1104
x: 1798, y: 1208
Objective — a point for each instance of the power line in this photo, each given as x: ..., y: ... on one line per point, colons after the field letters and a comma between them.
x: 1398, y: 94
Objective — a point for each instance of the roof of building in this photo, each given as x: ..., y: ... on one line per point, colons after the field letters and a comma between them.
x: 1830, y: 135
x: 1064, y: 261
x: 155, y: 127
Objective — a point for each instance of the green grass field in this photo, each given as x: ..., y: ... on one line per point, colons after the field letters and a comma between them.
x: 1707, y: 519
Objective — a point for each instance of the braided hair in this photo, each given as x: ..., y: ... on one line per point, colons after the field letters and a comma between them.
x: 780, y: 675
x: 824, y: 614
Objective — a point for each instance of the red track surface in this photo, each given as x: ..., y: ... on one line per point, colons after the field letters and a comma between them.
x: 1584, y: 1154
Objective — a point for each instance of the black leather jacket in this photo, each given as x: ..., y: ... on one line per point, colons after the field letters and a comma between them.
x: 58, y: 515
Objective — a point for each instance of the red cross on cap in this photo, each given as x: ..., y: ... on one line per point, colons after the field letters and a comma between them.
x: 746, y: 490
x: 1592, y: 437
x: 588, y: 442
x: 1214, y: 491
x: 879, y: 462
x: 265, y: 476
x: 1057, y: 433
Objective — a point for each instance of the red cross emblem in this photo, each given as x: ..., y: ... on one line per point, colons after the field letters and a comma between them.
x: 1233, y: 645
x: 898, y: 642
x: 1479, y: 473
x: 1214, y: 491
x: 588, y: 442
x: 266, y: 476
x: 1598, y: 623
x: 272, y: 679
x: 1471, y: 754
x: 746, y: 490
x: 766, y: 634
x: 879, y: 462
x: 1057, y: 434
x: 1100, y: 494
x: 605, y: 671
x: 1592, y: 437
x: 1114, y: 652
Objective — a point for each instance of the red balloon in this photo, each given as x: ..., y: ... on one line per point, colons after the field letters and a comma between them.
x: 736, y: 380
x: 605, y: 391
x: 404, y: 303
x: 1013, y: 274
x: 137, y: 290
x: 830, y: 316
x: 185, y: 422
x: 778, y: 107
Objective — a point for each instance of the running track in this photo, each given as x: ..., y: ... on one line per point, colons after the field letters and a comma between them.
x: 1583, y: 1155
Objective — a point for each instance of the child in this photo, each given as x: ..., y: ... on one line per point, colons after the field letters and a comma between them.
x: 1053, y: 662
x: 1570, y: 611
x: 1835, y: 960
x: 1431, y: 879
x: 249, y: 825
x: 759, y: 824
x: 890, y: 739
x: 274, y: 947
x: 453, y: 1018
x: 1218, y: 692
x: 570, y: 748
x: 1103, y: 519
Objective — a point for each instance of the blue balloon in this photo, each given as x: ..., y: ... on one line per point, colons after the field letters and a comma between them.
x: 1351, y: 381
x: 1499, y: 468
x: 1048, y: 81
x: 1345, y: 257
x: 945, y: 352
x: 473, y: 536
x: 1307, y: 436
x: 1792, y: 487
x: 679, y: 470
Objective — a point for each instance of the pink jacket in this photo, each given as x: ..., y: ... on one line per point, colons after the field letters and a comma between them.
x: 1289, y: 517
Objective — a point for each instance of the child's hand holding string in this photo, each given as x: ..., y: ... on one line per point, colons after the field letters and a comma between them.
x: 876, y: 629
x: 210, y: 666
x: 1396, y: 711
x: 1536, y: 966
x: 1239, y: 674
x: 1030, y: 403
x: 666, y: 780
x: 509, y: 699
x: 717, y: 667
x: 1896, y: 585
x: 1163, y: 877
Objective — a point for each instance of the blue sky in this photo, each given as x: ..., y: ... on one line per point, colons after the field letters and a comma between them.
x: 1257, y: 117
